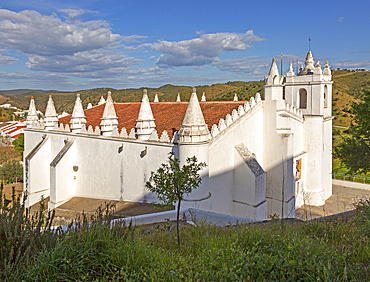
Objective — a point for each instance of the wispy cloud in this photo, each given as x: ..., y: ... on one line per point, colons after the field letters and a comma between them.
x: 341, y: 19
x: 47, y: 80
x: 88, y: 61
x: 352, y: 64
x: 203, y: 50
x: 133, y: 38
x: 7, y: 60
x: 250, y: 66
x: 73, y: 14
x: 357, y: 52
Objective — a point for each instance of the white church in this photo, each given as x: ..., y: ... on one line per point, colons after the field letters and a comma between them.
x: 264, y: 156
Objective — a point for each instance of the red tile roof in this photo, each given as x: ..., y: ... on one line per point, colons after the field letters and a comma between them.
x: 168, y: 115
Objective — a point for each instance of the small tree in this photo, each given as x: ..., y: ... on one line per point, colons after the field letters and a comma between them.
x: 354, y: 149
x: 11, y: 171
x: 19, y: 144
x: 172, y: 182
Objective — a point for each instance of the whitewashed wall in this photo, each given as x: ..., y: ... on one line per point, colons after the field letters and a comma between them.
x: 248, y: 130
x: 327, y: 158
x: 103, y: 172
x: 36, y: 167
x: 62, y: 176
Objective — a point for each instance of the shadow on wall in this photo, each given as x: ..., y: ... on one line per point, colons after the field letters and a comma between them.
x: 249, y: 196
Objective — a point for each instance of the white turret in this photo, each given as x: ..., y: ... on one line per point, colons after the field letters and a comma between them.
x: 89, y: 106
x: 203, y: 97
x: 178, y: 98
x: 194, y: 141
x: 32, y: 118
x: 156, y: 97
x: 273, y: 88
x: 109, y: 120
x: 327, y: 70
x: 318, y: 69
x: 193, y: 127
x: 145, y: 122
x: 300, y: 70
x: 236, y: 98
x: 102, y: 101
x: 51, y: 117
x: 309, y: 64
x: 78, y: 118
x: 290, y: 72
x: 274, y: 78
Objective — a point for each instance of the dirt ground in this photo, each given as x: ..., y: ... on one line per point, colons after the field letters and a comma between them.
x: 8, y: 189
x: 78, y: 205
x: 74, y: 208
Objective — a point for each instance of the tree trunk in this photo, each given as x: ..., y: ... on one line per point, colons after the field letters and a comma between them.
x: 177, y: 223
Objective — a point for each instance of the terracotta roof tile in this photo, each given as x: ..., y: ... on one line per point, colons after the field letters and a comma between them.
x: 168, y: 115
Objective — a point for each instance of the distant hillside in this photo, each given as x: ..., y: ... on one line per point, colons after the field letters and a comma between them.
x: 23, y: 91
x: 64, y: 101
x: 347, y: 87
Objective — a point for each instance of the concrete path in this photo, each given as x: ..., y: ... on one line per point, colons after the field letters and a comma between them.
x: 343, y: 199
x: 74, y: 207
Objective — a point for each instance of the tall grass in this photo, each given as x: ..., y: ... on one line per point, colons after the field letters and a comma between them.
x: 336, y: 250
x: 22, y: 234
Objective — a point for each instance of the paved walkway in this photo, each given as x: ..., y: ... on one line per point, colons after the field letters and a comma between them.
x: 74, y: 208
x: 343, y: 199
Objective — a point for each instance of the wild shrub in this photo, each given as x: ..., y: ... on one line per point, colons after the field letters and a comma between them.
x: 89, y: 250
x: 22, y: 234
x: 363, y: 216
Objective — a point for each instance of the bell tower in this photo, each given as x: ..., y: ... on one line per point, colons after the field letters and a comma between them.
x: 311, y: 89
x: 311, y: 92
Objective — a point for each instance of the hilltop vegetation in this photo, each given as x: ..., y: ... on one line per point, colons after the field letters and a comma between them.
x: 347, y: 87
x: 64, y: 101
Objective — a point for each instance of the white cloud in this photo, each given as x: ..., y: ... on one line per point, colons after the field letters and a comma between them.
x: 81, y: 62
x: 73, y: 13
x: 31, y: 76
x: 151, y: 58
x: 249, y: 66
x: 140, y: 46
x: 6, y: 60
x: 35, y: 80
x: 352, y: 64
x: 133, y: 38
x: 203, y: 50
x: 36, y: 34
x: 341, y: 19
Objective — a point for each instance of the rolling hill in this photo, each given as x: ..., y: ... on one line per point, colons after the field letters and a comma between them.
x: 347, y: 87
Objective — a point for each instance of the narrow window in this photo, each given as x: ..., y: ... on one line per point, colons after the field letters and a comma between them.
x: 302, y: 99
x: 325, y: 96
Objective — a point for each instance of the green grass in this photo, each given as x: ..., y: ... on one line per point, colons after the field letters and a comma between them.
x: 275, y: 251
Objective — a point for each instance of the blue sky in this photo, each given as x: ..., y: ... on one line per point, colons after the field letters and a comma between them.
x: 75, y: 45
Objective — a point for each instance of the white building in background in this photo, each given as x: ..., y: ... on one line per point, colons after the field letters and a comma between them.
x: 12, y: 129
x: 264, y: 157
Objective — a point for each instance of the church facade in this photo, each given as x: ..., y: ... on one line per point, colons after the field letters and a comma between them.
x: 264, y: 156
